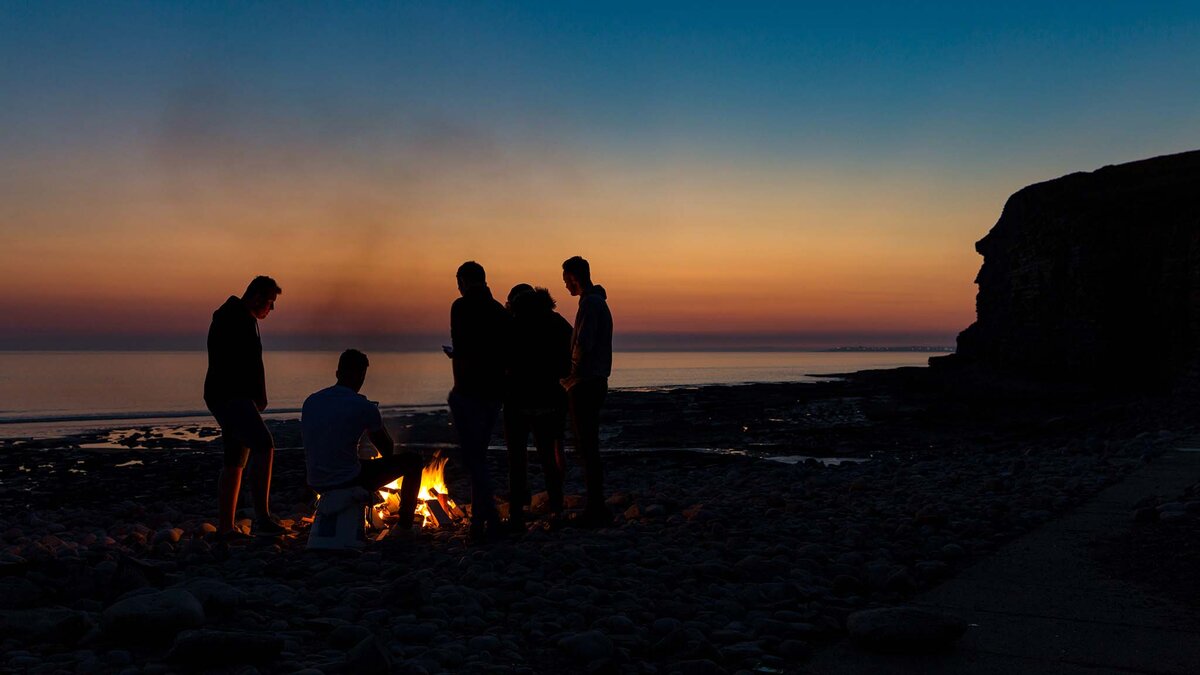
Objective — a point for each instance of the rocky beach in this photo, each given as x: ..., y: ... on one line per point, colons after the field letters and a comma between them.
x: 756, y: 523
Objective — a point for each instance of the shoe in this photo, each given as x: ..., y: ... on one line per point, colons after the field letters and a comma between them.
x: 269, y: 527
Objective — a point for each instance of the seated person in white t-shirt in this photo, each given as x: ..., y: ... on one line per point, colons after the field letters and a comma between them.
x: 332, y: 422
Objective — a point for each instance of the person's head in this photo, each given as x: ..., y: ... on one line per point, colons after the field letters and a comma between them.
x: 470, y: 275
x: 577, y: 275
x: 352, y: 369
x: 533, y: 302
x: 260, y: 296
x: 517, y: 291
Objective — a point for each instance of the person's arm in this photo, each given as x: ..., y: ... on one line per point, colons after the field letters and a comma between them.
x: 378, y: 433
x: 582, y: 341
x: 382, y: 441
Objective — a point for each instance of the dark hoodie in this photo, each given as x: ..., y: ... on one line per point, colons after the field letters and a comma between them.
x: 479, y: 329
x: 235, y: 366
x: 591, y: 341
x: 540, y: 355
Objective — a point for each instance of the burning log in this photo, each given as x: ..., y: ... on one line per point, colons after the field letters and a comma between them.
x: 437, y: 513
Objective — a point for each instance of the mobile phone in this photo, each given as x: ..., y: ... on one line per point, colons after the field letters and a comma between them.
x: 448, y: 350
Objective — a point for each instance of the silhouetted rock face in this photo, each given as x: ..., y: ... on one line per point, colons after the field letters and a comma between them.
x: 1093, y: 275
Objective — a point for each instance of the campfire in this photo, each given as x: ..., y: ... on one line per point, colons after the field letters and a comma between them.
x: 434, y: 505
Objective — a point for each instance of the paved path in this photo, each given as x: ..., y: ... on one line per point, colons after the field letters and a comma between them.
x: 1041, y: 604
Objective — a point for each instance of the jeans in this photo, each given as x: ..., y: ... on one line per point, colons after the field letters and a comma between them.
x: 474, y: 418
x: 584, y: 401
x: 547, y: 427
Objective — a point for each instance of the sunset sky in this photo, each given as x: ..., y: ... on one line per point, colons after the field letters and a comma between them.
x: 738, y: 175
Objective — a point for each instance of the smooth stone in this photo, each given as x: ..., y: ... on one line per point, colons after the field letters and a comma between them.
x: 348, y: 635
x: 217, y: 597
x: 904, y: 630
x: 369, y: 657
x: 153, y: 616
x: 218, y: 647
x: 696, y: 667
x: 484, y: 643
x: 47, y: 624
x: 587, y: 646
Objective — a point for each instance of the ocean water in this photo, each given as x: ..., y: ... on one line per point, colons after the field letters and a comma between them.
x: 42, y: 392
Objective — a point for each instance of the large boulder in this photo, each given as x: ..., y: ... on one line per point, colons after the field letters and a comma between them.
x: 904, y: 630
x: 152, y: 617
x: 1093, y: 276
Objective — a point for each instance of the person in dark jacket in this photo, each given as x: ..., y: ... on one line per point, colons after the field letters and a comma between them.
x: 235, y: 392
x: 479, y: 331
x: 587, y: 383
x: 535, y: 401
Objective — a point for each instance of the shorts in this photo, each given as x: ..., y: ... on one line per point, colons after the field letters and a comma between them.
x: 242, y: 430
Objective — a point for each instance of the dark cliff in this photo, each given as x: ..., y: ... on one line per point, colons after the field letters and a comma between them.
x: 1093, y: 276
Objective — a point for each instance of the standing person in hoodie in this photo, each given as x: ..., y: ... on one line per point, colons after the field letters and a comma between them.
x: 235, y: 391
x: 535, y: 401
x: 587, y: 383
x: 479, y: 331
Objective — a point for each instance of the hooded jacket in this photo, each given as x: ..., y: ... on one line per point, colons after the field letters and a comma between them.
x: 479, y: 331
x: 591, y: 340
x: 235, y: 365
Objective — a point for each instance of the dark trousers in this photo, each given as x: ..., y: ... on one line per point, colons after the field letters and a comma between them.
x: 547, y: 427
x: 474, y: 419
x: 584, y: 400
x: 376, y: 473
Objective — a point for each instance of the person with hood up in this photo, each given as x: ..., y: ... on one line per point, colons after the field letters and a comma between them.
x: 587, y: 383
x: 534, y: 399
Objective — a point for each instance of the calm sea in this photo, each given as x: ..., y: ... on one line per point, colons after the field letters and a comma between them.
x: 46, y: 392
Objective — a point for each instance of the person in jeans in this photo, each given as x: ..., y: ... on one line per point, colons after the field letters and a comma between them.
x: 331, y: 423
x: 587, y: 383
x: 479, y: 333
x: 534, y: 400
x: 235, y: 392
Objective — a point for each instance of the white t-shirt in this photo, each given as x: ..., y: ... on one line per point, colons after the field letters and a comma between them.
x: 331, y: 423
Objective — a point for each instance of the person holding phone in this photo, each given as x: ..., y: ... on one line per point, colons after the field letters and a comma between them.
x: 479, y: 334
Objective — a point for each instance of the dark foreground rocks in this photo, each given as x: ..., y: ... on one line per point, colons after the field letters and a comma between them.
x: 904, y: 630
x: 717, y: 562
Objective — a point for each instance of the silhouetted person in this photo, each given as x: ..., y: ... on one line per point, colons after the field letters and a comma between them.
x: 333, y: 420
x: 539, y: 358
x: 479, y: 330
x: 587, y: 384
x: 235, y: 392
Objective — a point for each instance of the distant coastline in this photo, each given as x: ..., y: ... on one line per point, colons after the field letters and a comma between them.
x: 913, y: 348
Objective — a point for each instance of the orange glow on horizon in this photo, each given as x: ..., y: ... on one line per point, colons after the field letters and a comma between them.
x: 679, y: 251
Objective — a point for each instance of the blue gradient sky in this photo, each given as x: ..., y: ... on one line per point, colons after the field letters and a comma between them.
x: 800, y: 171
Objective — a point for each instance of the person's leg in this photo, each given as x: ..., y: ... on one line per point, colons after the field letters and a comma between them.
x: 516, y: 437
x: 474, y: 420
x: 585, y: 400
x: 229, y: 481
x: 262, y: 460
x: 407, y: 465
x: 547, y: 437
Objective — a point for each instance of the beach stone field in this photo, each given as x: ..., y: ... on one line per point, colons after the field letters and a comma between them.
x: 745, y: 538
